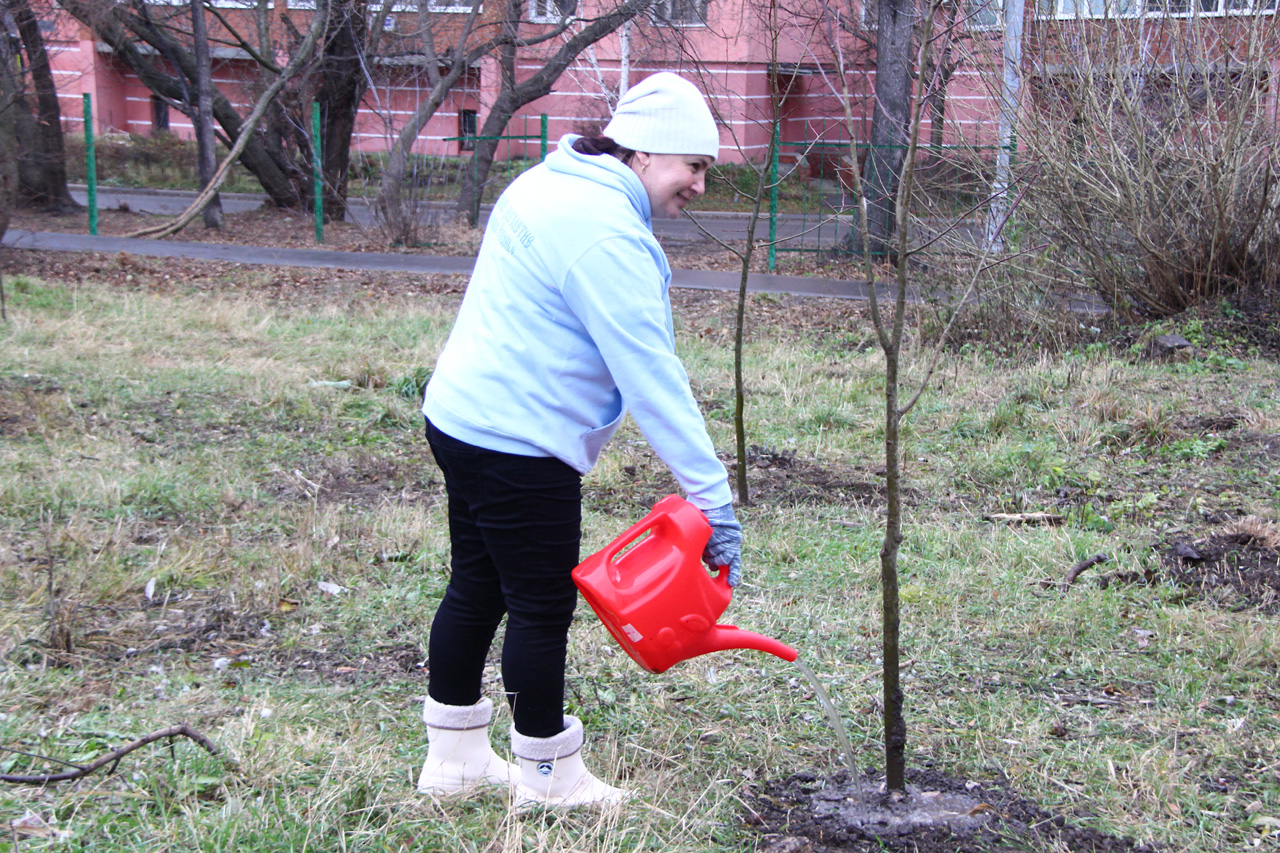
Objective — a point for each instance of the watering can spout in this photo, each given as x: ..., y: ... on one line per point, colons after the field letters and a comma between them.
x: 724, y: 637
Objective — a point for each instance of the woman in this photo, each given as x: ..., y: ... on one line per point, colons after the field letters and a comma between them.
x: 565, y: 326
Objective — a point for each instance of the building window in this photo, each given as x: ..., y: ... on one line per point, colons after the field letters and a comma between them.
x: 680, y: 13
x: 159, y: 115
x: 467, y: 130
x: 985, y: 14
x: 551, y: 11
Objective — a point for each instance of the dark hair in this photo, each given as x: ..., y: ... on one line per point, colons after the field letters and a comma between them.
x: 595, y: 145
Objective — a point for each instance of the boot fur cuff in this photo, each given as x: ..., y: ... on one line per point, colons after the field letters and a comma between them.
x: 562, y: 745
x: 457, y: 717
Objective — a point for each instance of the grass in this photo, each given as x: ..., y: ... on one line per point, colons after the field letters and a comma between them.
x: 163, y: 161
x: 230, y: 454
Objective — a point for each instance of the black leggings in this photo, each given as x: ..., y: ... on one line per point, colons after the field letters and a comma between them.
x: 515, y: 524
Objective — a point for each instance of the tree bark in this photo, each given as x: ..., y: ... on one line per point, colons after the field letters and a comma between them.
x: 896, y: 23
x: 206, y: 153
x: 50, y: 162
x: 397, y: 216
x: 340, y: 88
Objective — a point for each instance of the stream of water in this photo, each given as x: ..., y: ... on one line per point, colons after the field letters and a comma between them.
x: 833, y: 718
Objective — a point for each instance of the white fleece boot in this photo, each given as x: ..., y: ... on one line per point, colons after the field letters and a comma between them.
x: 458, y: 753
x: 552, y: 772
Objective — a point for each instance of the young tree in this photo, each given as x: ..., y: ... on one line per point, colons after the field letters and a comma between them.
x: 889, y: 322
x: 775, y: 24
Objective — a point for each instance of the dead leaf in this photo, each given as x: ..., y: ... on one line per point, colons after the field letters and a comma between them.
x: 1272, y: 823
x: 980, y: 808
x: 31, y: 825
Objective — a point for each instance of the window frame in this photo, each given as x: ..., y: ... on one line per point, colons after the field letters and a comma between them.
x: 994, y: 7
x: 455, y: 8
x: 538, y: 13
x: 702, y: 11
x: 1070, y: 10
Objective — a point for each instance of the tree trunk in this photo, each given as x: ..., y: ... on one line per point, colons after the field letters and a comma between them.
x: 275, y: 181
x: 1010, y: 83
x: 397, y: 216
x: 896, y: 23
x: 895, y: 726
x: 206, y: 153
x: 50, y: 189
x: 340, y: 88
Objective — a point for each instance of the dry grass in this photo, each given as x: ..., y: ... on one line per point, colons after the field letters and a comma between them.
x: 179, y: 437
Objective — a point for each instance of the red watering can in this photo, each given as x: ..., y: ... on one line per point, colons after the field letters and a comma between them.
x: 656, y: 598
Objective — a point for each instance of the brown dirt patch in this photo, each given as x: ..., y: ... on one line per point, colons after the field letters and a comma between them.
x: 234, y: 638
x: 1236, y: 569
x: 780, y: 478
x: 361, y: 480
x: 805, y: 813
x: 26, y: 402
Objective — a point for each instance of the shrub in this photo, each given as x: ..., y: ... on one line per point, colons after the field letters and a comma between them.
x: 1157, y: 157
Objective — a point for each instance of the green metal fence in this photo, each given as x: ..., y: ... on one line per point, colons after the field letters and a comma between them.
x: 503, y: 170
x: 951, y: 186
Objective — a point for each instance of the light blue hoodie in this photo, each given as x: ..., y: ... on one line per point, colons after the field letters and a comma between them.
x: 566, y: 325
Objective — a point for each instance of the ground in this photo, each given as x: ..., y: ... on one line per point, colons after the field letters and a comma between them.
x: 1237, y: 567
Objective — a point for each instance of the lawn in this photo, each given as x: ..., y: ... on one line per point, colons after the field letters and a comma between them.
x: 217, y: 508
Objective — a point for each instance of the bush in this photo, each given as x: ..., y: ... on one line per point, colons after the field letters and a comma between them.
x: 160, y: 161
x: 1157, y: 157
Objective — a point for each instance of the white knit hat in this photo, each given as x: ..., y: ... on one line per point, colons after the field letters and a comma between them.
x: 664, y: 114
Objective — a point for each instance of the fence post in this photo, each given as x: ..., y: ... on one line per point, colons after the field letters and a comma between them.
x: 479, y: 193
x: 91, y: 164
x: 542, y: 154
x: 773, y: 200
x: 317, y: 169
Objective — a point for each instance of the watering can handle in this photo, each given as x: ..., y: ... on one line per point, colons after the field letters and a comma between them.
x: 629, y: 536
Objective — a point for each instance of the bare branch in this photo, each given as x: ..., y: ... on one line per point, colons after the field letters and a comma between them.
x: 181, y: 730
x: 246, y: 131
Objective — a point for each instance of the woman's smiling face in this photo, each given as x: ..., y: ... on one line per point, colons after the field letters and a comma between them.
x: 671, y: 180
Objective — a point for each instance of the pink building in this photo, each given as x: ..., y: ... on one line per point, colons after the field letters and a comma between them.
x: 728, y: 46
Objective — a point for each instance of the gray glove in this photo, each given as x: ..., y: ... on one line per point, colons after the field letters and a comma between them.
x: 724, y: 548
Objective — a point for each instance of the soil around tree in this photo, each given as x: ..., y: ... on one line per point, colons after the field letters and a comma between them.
x: 806, y: 813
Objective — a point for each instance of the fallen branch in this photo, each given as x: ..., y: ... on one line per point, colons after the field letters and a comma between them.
x: 1081, y: 567
x: 1025, y: 517
x: 112, y: 757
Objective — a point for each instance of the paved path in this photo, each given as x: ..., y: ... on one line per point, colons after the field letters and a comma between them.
x: 50, y: 241
x: 728, y: 227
